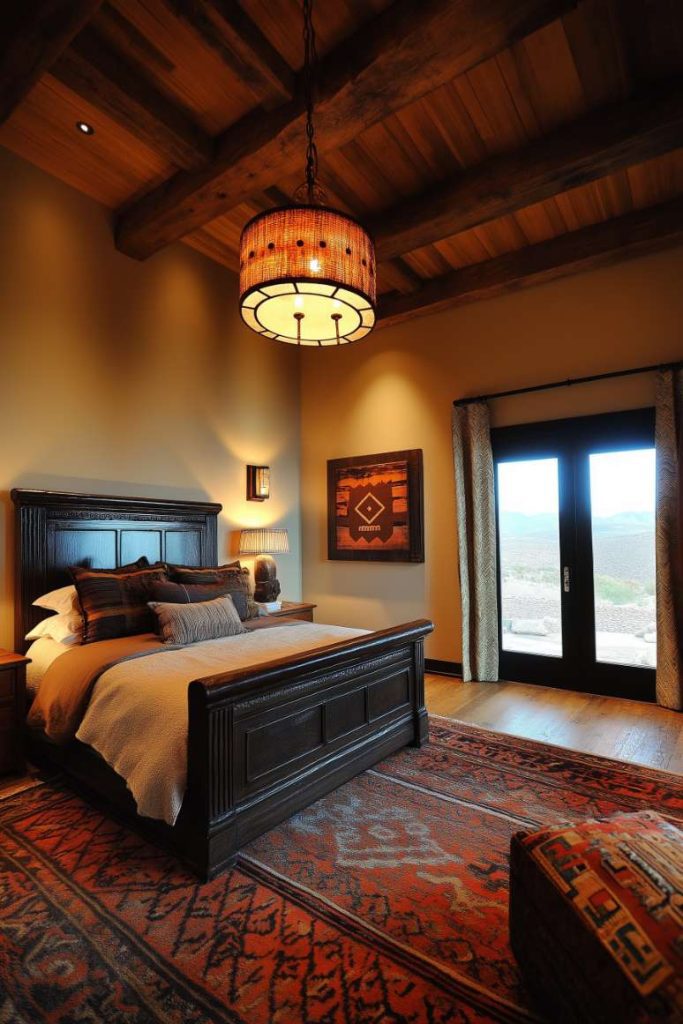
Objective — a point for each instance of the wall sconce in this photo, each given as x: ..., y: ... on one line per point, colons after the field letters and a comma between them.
x: 258, y: 483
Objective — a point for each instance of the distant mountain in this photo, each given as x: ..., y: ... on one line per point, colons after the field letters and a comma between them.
x: 625, y: 522
x: 517, y: 524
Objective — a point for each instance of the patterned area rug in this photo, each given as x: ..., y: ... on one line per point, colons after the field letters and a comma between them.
x: 383, y: 903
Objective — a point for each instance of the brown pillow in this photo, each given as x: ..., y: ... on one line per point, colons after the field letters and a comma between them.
x: 193, y: 593
x: 190, y: 623
x: 140, y: 563
x: 233, y: 576
x: 114, y: 601
x: 199, y: 573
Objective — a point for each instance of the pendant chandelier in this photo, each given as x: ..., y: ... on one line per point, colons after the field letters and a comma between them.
x: 307, y: 271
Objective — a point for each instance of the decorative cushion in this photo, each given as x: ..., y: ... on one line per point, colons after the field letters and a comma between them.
x: 114, y: 601
x: 199, y: 573
x: 235, y: 578
x: 192, y: 593
x: 65, y: 599
x: 596, y: 919
x: 190, y: 623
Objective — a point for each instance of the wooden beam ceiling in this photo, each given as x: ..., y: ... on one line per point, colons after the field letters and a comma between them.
x: 608, y: 140
x: 598, y: 245
x: 34, y: 34
x: 103, y: 77
x: 241, y: 45
x: 404, y: 53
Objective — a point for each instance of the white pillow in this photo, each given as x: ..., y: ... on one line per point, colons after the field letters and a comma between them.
x: 62, y: 600
x: 65, y: 629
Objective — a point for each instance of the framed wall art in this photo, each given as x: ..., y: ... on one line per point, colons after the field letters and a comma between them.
x: 374, y: 508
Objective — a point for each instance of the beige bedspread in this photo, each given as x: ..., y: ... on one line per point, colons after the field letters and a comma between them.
x: 134, y: 712
x: 64, y: 690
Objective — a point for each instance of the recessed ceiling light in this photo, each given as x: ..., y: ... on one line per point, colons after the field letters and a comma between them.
x: 84, y: 127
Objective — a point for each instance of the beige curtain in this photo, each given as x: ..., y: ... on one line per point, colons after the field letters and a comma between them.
x: 476, y: 516
x: 669, y: 519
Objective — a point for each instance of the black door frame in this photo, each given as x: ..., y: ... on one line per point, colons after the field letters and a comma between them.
x: 572, y: 438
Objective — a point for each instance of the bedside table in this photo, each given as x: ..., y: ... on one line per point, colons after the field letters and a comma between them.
x: 295, y: 610
x: 12, y: 710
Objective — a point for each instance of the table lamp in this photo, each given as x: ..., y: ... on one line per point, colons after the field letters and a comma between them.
x: 264, y: 542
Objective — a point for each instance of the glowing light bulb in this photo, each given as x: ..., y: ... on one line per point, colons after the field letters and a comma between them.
x: 298, y: 301
x: 314, y: 265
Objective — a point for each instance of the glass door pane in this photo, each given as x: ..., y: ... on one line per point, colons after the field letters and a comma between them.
x: 529, y: 554
x: 622, y: 493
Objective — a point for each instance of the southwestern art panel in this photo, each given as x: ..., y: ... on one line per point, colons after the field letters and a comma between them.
x: 374, y: 508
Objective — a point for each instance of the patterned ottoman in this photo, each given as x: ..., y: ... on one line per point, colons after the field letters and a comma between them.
x: 596, y: 919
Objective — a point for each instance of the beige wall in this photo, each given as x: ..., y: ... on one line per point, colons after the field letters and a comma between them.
x: 129, y: 378
x: 395, y: 389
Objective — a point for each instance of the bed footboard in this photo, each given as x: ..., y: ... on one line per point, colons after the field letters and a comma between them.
x: 266, y: 741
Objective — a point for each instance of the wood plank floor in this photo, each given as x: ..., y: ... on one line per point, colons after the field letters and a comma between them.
x: 628, y: 730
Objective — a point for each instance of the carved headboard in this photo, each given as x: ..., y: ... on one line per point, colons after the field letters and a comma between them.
x: 55, y: 529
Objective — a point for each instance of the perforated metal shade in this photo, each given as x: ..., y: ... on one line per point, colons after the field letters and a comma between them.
x: 307, y: 276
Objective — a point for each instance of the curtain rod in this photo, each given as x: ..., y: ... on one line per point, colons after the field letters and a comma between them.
x: 567, y: 383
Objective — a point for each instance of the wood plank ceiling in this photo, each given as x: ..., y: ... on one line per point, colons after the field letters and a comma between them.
x: 488, y: 145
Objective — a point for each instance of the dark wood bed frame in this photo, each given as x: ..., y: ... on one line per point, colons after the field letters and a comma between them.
x: 263, y: 742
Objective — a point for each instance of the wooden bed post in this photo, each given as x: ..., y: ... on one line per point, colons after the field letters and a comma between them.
x: 421, y: 717
x: 208, y: 801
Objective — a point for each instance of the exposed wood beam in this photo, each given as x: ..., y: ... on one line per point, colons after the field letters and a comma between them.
x: 598, y: 245
x: 100, y: 74
x: 407, y: 51
x: 227, y: 28
x: 606, y: 141
x: 34, y: 33
x: 214, y: 248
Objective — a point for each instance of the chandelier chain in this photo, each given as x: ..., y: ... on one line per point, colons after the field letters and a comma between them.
x: 310, y: 63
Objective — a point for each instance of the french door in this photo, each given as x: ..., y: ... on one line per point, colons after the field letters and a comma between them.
x: 576, y: 553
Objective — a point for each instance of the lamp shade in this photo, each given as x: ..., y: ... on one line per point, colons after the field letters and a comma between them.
x: 307, y: 276
x: 264, y: 541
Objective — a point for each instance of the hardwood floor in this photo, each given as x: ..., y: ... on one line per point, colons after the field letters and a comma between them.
x: 624, y: 729
x: 628, y: 730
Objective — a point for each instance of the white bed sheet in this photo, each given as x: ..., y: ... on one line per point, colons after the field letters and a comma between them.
x: 42, y: 653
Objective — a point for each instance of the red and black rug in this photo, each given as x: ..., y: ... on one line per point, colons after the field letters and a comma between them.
x: 383, y: 902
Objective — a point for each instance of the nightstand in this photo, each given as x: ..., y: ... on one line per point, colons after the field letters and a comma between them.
x: 12, y: 710
x: 295, y: 610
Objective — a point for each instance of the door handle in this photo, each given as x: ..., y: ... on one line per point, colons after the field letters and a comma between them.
x: 566, y: 579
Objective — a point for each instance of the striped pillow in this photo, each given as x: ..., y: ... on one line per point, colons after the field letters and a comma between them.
x: 114, y: 602
x: 199, y: 573
x: 190, y: 623
x: 191, y: 593
x: 236, y: 580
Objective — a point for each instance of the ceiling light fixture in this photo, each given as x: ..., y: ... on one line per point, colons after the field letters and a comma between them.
x: 307, y: 271
x: 85, y: 128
